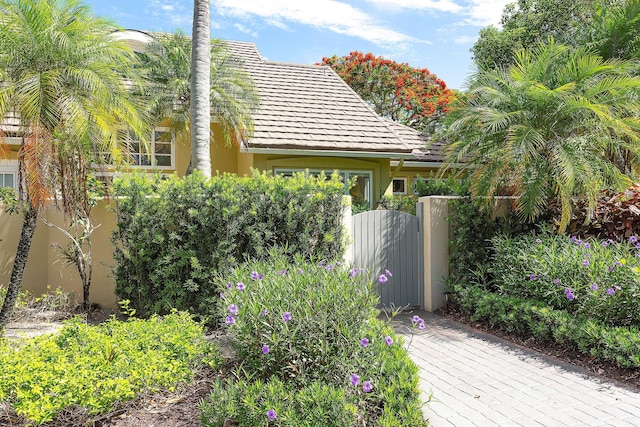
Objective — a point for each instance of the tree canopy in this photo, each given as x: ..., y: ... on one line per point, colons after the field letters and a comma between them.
x: 412, y: 96
x: 559, y: 123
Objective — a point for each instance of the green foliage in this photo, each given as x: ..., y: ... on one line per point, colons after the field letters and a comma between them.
x: 175, y: 234
x: 559, y: 124
x: 96, y: 366
x: 301, y: 366
x: 434, y: 186
x: 598, y: 280
x: 471, y: 227
x: 401, y: 202
x: 616, y: 344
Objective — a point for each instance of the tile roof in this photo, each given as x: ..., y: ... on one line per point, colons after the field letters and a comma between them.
x: 309, y: 107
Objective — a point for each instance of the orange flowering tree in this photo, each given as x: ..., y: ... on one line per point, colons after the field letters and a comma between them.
x: 411, y: 96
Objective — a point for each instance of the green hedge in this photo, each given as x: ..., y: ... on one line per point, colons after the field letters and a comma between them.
x: 175, y: 234
x: 619, y: 345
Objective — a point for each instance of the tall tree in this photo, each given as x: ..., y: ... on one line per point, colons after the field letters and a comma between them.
x: 167, y: 65
x: 411, y: 96
x: 615, y: 32
x: 61, y: 74
x: 200, y: 84
x: 527, y: 22
x: 549, y: 127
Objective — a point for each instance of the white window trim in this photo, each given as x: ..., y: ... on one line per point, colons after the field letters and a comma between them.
x: 347, y: 174
x: 397, y: 193
x: 152, y: 154
x: 10, y: 167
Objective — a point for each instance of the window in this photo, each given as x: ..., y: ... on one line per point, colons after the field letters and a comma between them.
x: 161, y: 153
x: 399, y: 185
x: 9, y: 174
x: 361, y: 193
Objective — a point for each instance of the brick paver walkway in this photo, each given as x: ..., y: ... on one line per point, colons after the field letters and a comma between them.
x: 479, y: 380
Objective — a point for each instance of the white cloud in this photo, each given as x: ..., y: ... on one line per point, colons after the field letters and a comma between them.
x: 173, y: 11
x: 245, y: 30
x: 333, y: 15
x: 435, y: 5
x: 485, y: 12
x: 465, y: 39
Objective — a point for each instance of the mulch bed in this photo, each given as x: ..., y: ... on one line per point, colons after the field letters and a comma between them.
x: 628, y: 377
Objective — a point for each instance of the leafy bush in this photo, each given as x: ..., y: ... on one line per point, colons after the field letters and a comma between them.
x: 600, y: 280
x: 616, y: 344
x: 616, y: 215
x: 471, y: 228
x: 96, y: 366
x: 404, y: 203
x: 174, y: 234
x: 433, y: 186
x: 308, y: 335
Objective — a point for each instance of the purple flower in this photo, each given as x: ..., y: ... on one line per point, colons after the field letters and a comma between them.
x: 637, y: 245
x: 388, y: 340
x: 382, y: 278
x: 254, y: 275
x: 605, y: 244
x: 556, y: 281
x: 618, y: 263
x: 538, y: 241
x: 573, y: 239
x: 329, y: 267
x: 286, y: 316
x: 233, y: 309
x: 633, y: 239
x: 388, y: 273
x: 271, y: 414
x: 229, y: 320
x: 610, y: 291
x: 240, y: 286
x: 265, y: 349
x: 300, y: 271
x: 229, y: 285
x: 367, y: 387
x: 532, y: 277
x: 578, y: 242
x: 585, y: 262
x: 594, y: 286
x: 353, y: 272
x: 587, y: 245
x: 364, y: 342
x: 617, y: 288
x: 320, y: 264
x: 355, y: 380
x: 283, y: 272
x: 569, y: 294
x: 416, y: 319
x: 421, y: 325
x: 222, y: 295
x: 263, y: 313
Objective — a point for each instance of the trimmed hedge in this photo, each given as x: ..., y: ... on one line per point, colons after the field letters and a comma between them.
x: 174, y: 234
x: 619, y: 345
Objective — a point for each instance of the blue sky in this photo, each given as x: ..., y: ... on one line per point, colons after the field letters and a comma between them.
x: 436, y: 34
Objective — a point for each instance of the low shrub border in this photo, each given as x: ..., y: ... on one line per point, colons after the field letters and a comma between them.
x: 616, y: 344
x: 96, y: 366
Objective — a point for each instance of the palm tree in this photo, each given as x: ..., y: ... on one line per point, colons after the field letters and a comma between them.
x: 550, y: 127
x: 61, y: 73
x: 615, y: 32
x: 200, y: 83
x: 233, y: 96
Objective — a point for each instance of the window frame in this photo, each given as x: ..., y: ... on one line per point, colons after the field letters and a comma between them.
x: 10, y: 167
x: 404, y: 181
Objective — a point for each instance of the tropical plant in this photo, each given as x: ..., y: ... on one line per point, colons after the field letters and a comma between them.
x: 615, y: 32
x: 412, y: 96
x: 62, y: 76
x: 200, y: 108
x: 233, y: 96
x: 559, y: 123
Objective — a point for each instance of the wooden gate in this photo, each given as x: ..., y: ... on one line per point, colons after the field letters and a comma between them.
x: 391, y: 240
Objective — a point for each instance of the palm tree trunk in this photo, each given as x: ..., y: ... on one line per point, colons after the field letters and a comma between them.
x: 19, y: 264
x: 200, y: 86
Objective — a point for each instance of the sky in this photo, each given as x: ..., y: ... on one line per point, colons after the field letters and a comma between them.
x: 432, y: 34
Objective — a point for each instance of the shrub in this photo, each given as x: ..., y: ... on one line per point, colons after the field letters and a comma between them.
x: 308, y: 335
x: 174, y: 234
x: 433, y: 186
x: 596, y: 279
x: 96, y: 366
x: 616, y: 344
x: 404, y: 203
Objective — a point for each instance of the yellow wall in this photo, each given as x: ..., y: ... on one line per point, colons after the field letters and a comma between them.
x: 44, y: 266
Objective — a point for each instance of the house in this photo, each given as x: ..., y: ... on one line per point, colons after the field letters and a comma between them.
x: 309, y: 118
